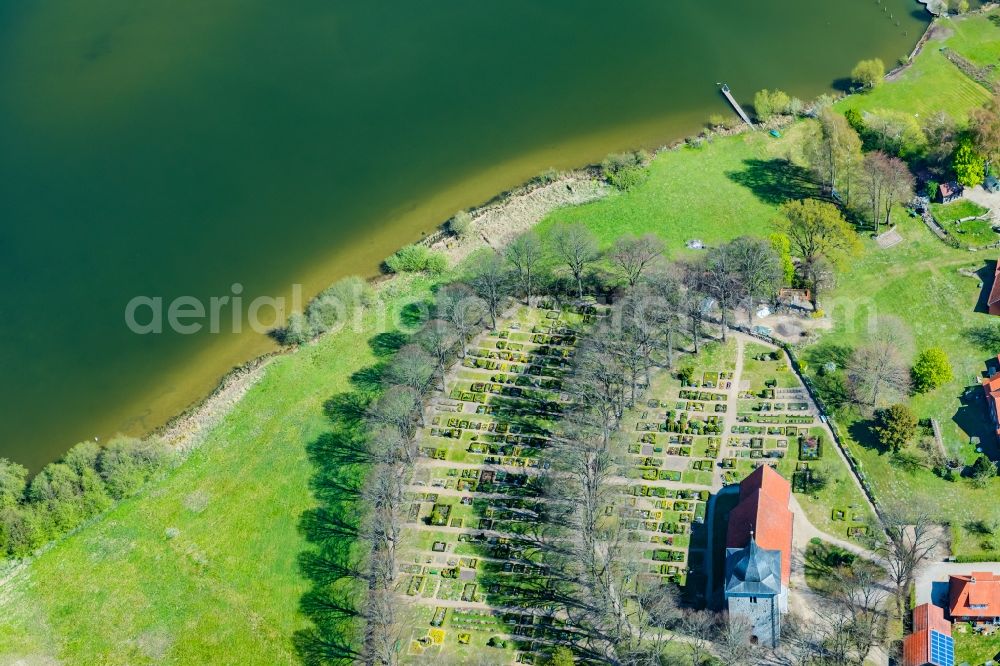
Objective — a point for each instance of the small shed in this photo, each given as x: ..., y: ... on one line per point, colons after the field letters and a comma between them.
x: 950, y: 191
x: 795, y: 298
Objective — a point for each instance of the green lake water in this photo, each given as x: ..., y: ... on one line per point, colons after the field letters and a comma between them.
x: 175, y: 148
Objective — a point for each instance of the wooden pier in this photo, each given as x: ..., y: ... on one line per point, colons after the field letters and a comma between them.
x: 736, y: 105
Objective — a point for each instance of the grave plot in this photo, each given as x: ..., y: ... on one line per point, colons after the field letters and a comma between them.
x: 473, y: 492
x: 662, y: 520
x: 674, y: 441
x: 778, y: 425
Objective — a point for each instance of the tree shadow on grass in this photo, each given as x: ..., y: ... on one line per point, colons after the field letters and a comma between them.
x: 973, y: 418
x: 985, y: 336
x: 332, y: 563
x: 414, y: 315
x: 775, y: 181
x: 829, y: 352
x: 386, y: 344
x: 986, y: 275
x: 862, y: 432
x: 369, y: 379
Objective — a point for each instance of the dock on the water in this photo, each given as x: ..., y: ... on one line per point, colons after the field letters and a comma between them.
x: 736, y: 105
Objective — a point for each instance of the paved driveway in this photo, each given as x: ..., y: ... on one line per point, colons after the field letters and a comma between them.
x: 932, y: 581
x: 990, y: 200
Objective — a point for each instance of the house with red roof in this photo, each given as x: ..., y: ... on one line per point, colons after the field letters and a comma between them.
x: 931, y: 643
x: 759, y: 554
x: 993, y: 300
x: 991, y: 390
x: 974, y: 598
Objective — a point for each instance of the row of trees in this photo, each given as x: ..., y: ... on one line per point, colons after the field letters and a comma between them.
x: 868, y: 184
x: 618, y: 616
x: 390, y: 426
x: 935, y: 143
x: 85, y: 482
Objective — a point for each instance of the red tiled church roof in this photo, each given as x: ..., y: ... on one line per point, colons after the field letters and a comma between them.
x: 991, y: 387
x: 763, y: 510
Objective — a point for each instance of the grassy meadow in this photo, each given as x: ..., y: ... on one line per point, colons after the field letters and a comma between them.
x: 933, y: 83
x: 727, y: 187
x: 119, y: 591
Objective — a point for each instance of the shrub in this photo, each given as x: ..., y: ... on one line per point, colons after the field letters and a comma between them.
x: 334, y: 304
x: 855, y: 120
x: 625, y: 170
x: 436, y: 263
x: 983, y: 470
x: 931, y: 370
x: 65, y: 493
x: 868, y: 73
x: 895, y: 426
x: 416, y: 258
x: 628, y: 179
x: 296, y: 332
x: 461, y: 224
x: 969, y: 164
x: 769, y: 103
x: 127, y: 463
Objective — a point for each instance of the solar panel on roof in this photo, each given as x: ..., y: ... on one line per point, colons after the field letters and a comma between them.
x: 942, y: 649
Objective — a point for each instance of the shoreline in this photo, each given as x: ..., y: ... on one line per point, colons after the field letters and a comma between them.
x: 495, y: 222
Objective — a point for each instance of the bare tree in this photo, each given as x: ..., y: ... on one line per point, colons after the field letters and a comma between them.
x: 734, y: 644
x: 876, y: 373
x: 457, y: 304
x: 899, y: 184
x: 719, y: 278
x: 700, y: 626
x: 491, y: 282
x: 385, y: 445
x: 384, y: 497
x: 985, y: 127
x: 886, y: 181
x: 399, y: 407
x: 907, y: 544
x: 662, y: 309
x: 599, y: 377
x: 439, y: 339
x: 759, y: 269
x: 575, y: 246
x: 413, y: 367
x: 658, y: 609
x: 835, y: 154
x: 695, y: 305
x: 525, y: 254
x: 942, y: 139
x: 632, y: 256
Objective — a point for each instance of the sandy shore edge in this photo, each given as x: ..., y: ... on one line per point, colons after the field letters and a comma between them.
x: 494, y: 224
